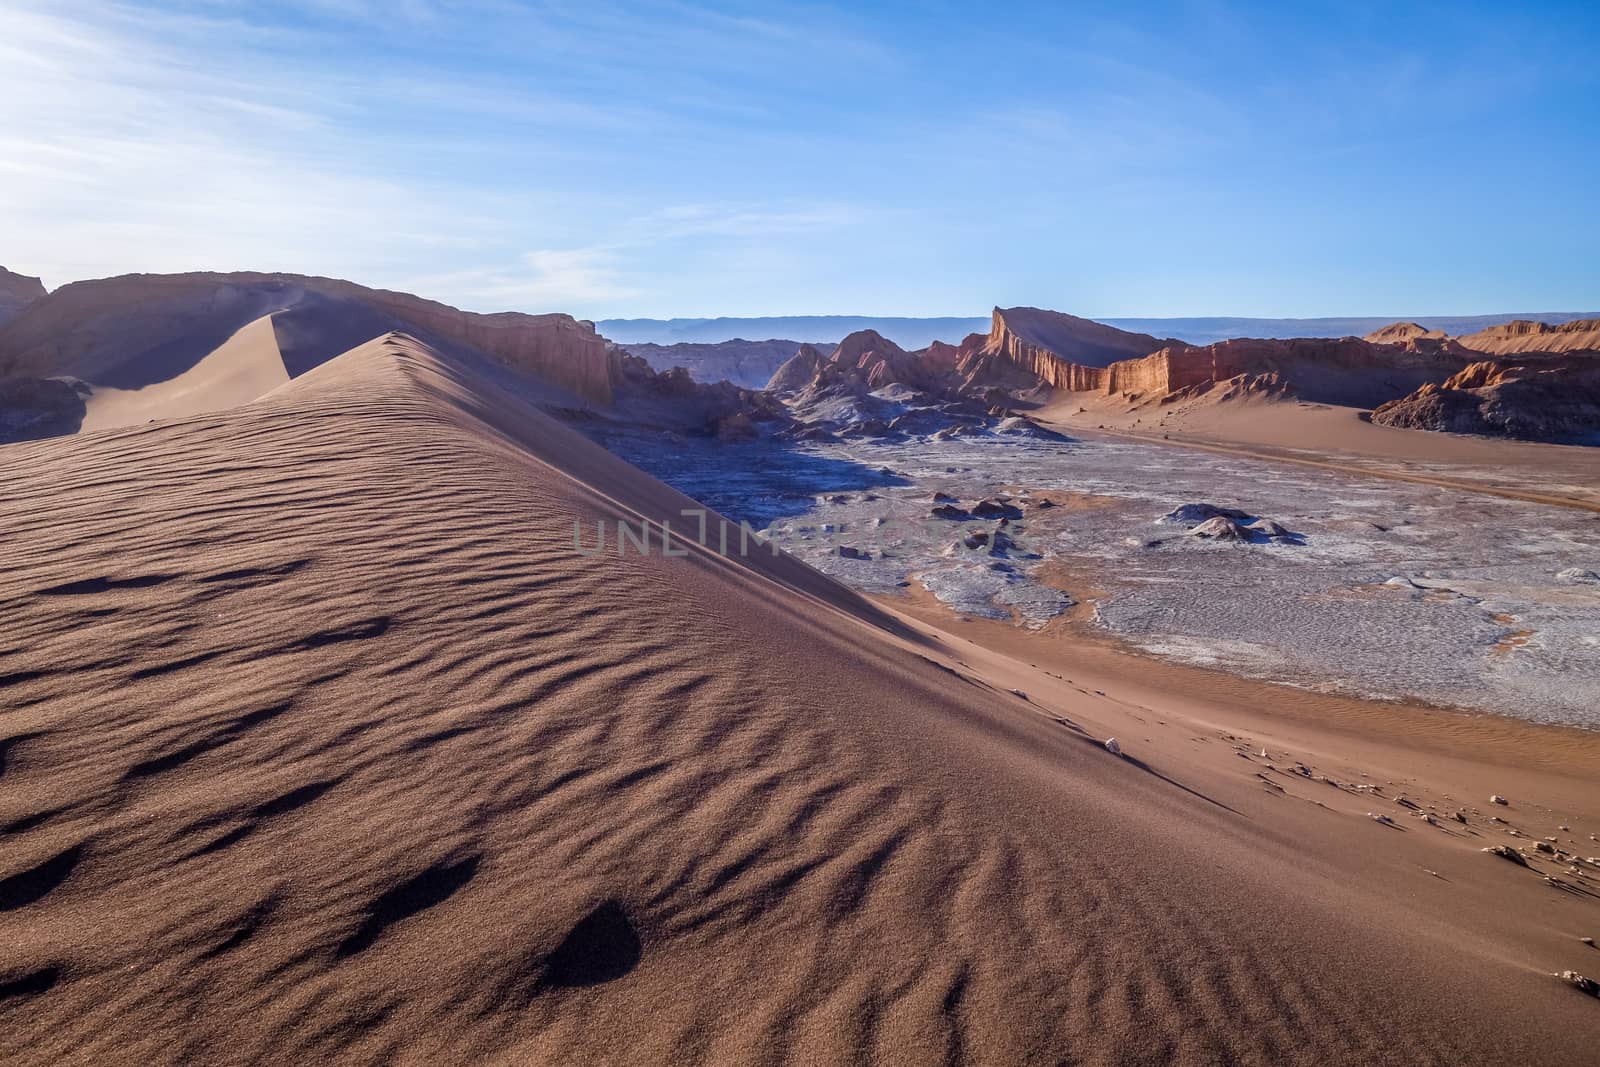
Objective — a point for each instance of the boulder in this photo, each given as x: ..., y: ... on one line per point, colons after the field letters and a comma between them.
x: 1195, y: 513
x: 996, y: 508
x: 1221, y: 528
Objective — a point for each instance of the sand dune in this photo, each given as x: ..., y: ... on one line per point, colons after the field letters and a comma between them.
x: 245, y: 366
x: 320, y: 742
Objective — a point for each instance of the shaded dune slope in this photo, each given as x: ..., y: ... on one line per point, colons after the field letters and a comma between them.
x: 319, y: 741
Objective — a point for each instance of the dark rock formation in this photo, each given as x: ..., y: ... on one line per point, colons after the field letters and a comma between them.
x: 1553, y: 398
x: 34, y: 408
x: 17, y: 291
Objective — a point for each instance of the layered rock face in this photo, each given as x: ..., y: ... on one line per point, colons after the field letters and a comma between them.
x: 1048, y: 347
x: 17, y: 291
x: 1399, y: 333
x: 1326, y: 370
x: 1522, y: 336
x: 1554, y: 398
x: 135, y: 329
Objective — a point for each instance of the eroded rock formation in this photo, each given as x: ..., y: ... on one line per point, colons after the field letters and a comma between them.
x: 745, y: 363
x: 1521, y: 336
x: 1048, y: 347
x: 1548, y: 398
x: 17, y: 291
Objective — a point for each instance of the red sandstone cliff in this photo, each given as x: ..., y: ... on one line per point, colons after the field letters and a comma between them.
x: 1522, y: 336
x: 1047, y: 347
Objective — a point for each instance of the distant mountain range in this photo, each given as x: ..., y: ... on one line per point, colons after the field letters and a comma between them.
x: 914, y: 333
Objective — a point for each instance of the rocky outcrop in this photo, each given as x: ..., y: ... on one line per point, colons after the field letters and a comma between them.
x: 798, y: 371
x: 17, y: 291
x: 673, y: 400
x: 1047, y: 347
x: 135, y: 329
x: 745, y: 363
x: 1550, y: 398
x: 34, y: 408
x: 861, y: 363
x: 1346, y: 371
x: 1522, y: 336
x: 1517, y: 337
x: 1399, y: 333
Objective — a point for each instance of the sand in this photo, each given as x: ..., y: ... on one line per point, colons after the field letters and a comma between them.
x: 322, y: 744
x: 245, y: 366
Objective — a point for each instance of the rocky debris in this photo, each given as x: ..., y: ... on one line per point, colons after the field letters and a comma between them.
x: 992, y: 542
x: 847, y: 552
x: 945, y: 498
x: 1580, y: 983
x: 996, y: 508
x: 1578, y: 576
x: 1221, y: 528
x: 1539, y: 398
x: 1545, y: 847
x: 950, y: 511
x: 1268, y: 528
x: 1498, y: 799
x: 1506, y: 852
x: 1113, y: 746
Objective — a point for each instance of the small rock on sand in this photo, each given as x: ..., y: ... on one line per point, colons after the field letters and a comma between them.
x: 1113, y: 746
x: 1220, y: 529
x: 1580, y: 983
x: 996, y: 508
x: 1506, y: 852
x: 1498, y: 799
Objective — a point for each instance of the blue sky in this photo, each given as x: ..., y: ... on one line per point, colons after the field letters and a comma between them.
x: 659, y: 159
